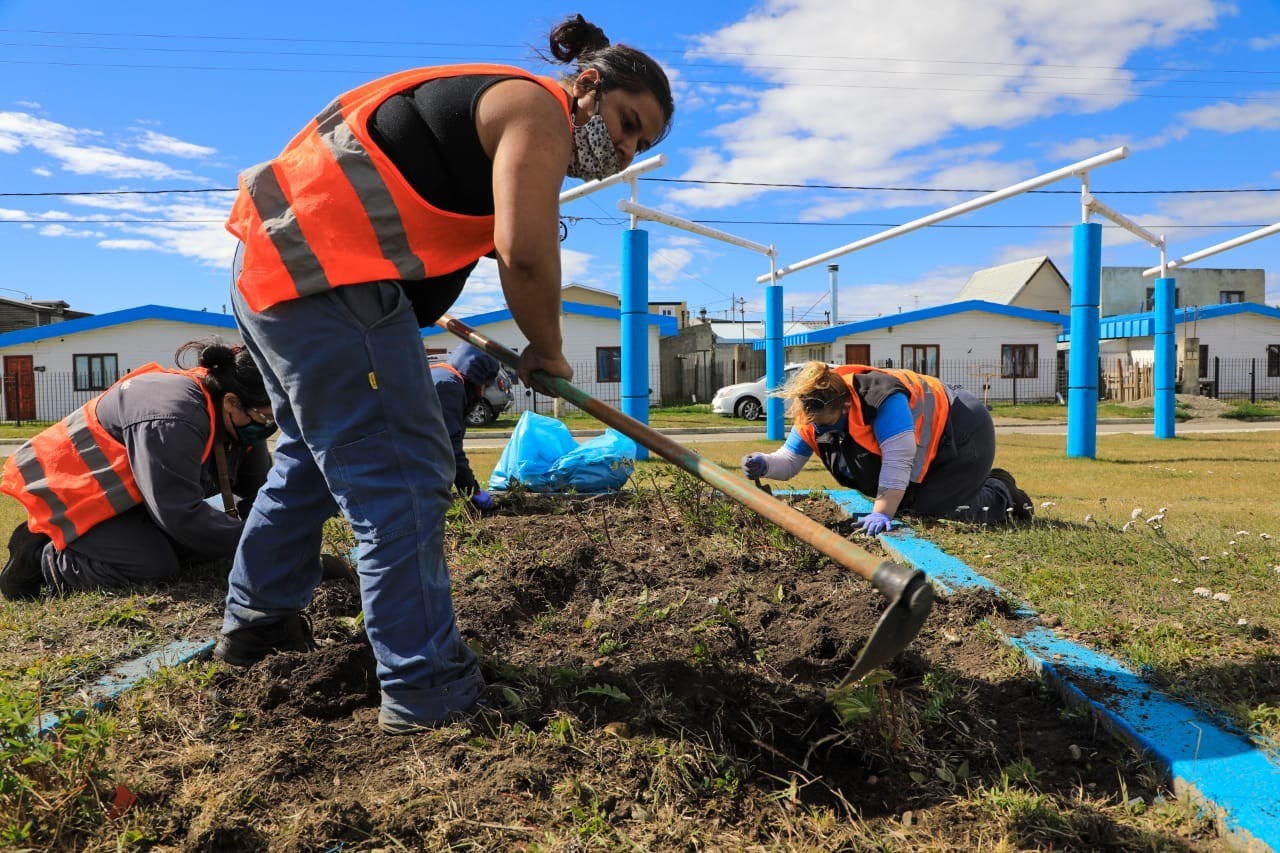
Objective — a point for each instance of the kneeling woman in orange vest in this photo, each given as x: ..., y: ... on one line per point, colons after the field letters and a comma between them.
x: 906, y: 439
x: 115, y: 492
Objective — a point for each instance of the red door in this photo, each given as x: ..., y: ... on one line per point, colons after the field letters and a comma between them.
x: 19, y: 388
x: 857, y: 353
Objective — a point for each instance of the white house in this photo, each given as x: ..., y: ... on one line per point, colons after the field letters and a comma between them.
x: 1233, y: 348
x: 1034, y: 283
x: 1000, y: 351
x: 592, y: 346
x: 51, y: 370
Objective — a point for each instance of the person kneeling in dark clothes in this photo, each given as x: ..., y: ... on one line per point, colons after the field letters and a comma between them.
x: 459, y: 384
x: 115, y: 492
x: 902, y: 438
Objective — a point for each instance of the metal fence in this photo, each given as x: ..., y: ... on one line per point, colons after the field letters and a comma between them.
x: 46, y: 396
x: 1249, y: 379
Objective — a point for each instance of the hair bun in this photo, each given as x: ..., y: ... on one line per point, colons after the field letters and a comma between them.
x: 217, y: 356
x: 575, y: 37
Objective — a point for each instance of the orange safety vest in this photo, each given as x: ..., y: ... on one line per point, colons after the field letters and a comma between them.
x: 332, y: 209
x: 74, y: 475
x: 927, y: 399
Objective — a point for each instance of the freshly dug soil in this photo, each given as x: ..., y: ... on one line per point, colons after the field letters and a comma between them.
x: 661, y: 668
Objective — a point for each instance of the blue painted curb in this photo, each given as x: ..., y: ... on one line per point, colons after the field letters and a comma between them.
x: 111, y: 686
x: 1223, y: 771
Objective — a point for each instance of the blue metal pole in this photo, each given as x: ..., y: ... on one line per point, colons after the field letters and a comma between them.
x: 1166, y: 354
x: 635, y: 328
x: 773, y: 357
x: 1082, y: 390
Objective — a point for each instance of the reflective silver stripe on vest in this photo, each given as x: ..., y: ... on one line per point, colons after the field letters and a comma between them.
x: 113, y: 487
x: 34, y: 476
x: 379, y: 206
x: 923, y: 408
x: 282, y: 227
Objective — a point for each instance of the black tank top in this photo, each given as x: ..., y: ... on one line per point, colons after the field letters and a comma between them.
x: 429, y: 134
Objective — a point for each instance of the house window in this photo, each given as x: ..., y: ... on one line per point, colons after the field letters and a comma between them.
x: 94, y: 371
x: 1149, y: 304
x: 1019, y: 361
x: 608, y: 364
x: 922, y: 358
x: 1273, y: 360
x: 1204, y: 361
x: 1230, y: 297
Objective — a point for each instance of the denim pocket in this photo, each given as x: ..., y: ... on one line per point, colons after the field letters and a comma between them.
x: 371, y: 487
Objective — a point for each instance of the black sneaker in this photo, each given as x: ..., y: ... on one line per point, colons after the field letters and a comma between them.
x: 1023, y: 509
x: 247, y: 646
x: 22, y: 576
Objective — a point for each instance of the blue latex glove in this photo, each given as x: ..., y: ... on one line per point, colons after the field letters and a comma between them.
x: 754, y: 465
x: 484, y: 501
x: 874, y: 523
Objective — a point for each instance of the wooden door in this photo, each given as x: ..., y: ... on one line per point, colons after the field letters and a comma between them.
x: 19, y: 388
x: 857, y: 353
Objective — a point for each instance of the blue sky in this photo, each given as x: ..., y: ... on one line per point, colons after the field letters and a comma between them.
x: 937, y: 94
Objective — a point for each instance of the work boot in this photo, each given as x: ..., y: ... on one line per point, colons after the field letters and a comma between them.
x: 22, y: 577
x: 481, y: 716
x: 1023, y: 509
x: 246, y: 646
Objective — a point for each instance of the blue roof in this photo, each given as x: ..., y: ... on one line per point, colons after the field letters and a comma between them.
x: 832, y: 333
x: 666, y: 325
x: 116, y: 318
x: 1143, y: 325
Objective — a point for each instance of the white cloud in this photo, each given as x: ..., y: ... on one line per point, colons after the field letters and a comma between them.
x: 1086, y: 146
x: 837, y: 106
x: 158, y: 143
x: 129, y: 245
x: 1226, y: 117
x: 64, y: 231
x: 483, y: 291
x: 1273, y: 289
x: 67, y: 145
x: 668, y: 264
x: 1264, y: 42
x: 42, y: 172
x: 31, y: 105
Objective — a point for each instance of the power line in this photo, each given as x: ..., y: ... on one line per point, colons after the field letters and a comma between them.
x: 941, y: 189
x: 933, y: 60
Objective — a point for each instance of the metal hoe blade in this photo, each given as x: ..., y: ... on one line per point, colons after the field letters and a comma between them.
x: 910, y: 599
x: 908, y: 591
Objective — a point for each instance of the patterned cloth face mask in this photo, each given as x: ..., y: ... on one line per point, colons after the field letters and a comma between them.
x: 594, y: 156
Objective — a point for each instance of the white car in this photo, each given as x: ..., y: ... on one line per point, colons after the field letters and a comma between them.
x: 747, y: 399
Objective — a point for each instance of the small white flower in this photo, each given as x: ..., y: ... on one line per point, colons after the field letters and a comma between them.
x: 1221, y: 596
x: 713, y: 600
x: 1048, y: 505
x: 1156, y: 519
x: 1137, y: 512
x: 1264, y: 535
x: 1202, y: 591
x: 1206, y: 559
x: 1162, y: 510
x: 1088, y: 518
x: 1226, y: 553
x: 1242, y: 533
x: 1177, y: 580
x: 1242, y: 622
x: 1232, y: 542
x: 988, y: 557
x: 986, y: 508
x: 1128, y: 525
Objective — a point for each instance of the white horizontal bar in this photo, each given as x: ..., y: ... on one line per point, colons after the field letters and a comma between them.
x: 1120, y: 219
x: 641, y: 212
x: 1213, y: 250
x: 625, y: 175
x: 964, y: 207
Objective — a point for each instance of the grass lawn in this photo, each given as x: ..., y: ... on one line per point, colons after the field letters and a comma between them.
x: 1162, y: 553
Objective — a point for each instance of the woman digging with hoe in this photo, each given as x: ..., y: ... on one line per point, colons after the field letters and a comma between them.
x: 360, y: 232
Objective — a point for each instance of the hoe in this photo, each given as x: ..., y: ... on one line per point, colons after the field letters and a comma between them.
x: 908, y: 590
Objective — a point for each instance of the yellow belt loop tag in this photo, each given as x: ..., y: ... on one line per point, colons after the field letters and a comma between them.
x: 373, y: 380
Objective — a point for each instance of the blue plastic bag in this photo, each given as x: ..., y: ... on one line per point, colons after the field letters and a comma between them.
x: 542, y: 456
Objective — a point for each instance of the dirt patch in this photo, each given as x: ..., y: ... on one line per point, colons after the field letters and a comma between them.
x: 661, y: 671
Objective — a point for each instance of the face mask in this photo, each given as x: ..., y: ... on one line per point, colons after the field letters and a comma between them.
x: 594, y: 156
x: 253, y: 432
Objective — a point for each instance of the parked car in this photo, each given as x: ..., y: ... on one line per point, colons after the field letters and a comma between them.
x: 494, y: 400
x: 747, y: 399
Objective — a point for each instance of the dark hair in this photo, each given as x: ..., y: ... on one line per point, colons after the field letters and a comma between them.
x: 575, y: 39
x: 231, y: 370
